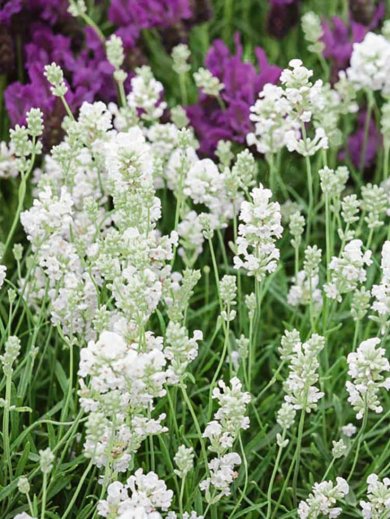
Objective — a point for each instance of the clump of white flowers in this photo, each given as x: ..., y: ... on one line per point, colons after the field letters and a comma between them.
x: 122, y: 210
x: 222, y: 431
x: 370, y: 64
x: 375, y: 202
x: 367, y: 368
x: 378, y: 498
x: 270, y: 115
x: 349, y: 430
x: 381, y: 292
x: 180, y: 349
x: 180, y: 56
x: 145, y: 95
x: 301, y: 392
x: 333, y: 182
x: 228, y: 294
x: 348, y: 271
x: 116, y: 56
x: 222, y: 474
x: 3, y: 274
x: 312, y: 29
x: 208, y: 83
x: 230, y: 417
x: 141, y: 496
x: 339, y: 449
x: 124, y: 379
x: 11, y: 353
x: 184, y: 460
x: 305, y: 290
x: 282, y: 112
x: 306, y: 101
x: 46, y: 460
x: 323, y: 499
x: 261, y: 226
x: 55, y: 77
x: 8, y: 162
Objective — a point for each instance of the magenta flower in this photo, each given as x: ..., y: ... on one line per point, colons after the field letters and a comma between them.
x: 131, y: 16
x: 20, y: 98
x: 355, y: 143
x: 8, y: 8
x: 282, y: 16
x: 89, y: 74
x: 242, y: 83
x: 339, y: 37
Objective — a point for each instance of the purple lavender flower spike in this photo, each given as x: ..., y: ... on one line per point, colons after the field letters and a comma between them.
x: 8, y: 9
x: 355, y: 142
x: 131, y: 16
x: 242, y: 84
x: 282, y: 16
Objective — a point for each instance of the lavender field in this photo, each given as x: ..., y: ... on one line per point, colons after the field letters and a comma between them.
x: 194, y: 259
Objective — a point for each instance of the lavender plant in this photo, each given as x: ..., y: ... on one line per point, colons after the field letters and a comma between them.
x: 191, y: 329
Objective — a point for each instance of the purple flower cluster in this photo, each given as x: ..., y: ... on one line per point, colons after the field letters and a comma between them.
x: 243, y: 82
x: 42, y: 32
x: 356, y: 144
x: 34, y: 33
x: 282, y: 16
x: 339, y: 37
x: 88, y: 73
x: 132, y: 16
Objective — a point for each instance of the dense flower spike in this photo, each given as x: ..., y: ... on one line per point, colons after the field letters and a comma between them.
x: 229, y: 120
x: 348, y: 271
x: 367, y: 369
x: 378, y: 498
x: 323, y: 499
x: 222, y: 432
x: 260, y: 227
x: 370, y: 63
x: 300, y: 389
x: 381, y: 292
x: 142, y: 495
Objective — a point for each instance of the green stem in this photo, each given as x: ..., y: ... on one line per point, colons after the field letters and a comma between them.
x: 67, y: 108
x: 216, y: 272
x: 356, y: 335
x: 386, y: 161
x: 309, y: 174
x: 328, y: 469
x: 359, y: 440
x: 328, y: 238
x: 255, y: 330
x: 68, y: 398
x: 182, y: 484
x: 88, y: 20
x: 122, y: 94
x: 44, y: 496
x: 196, y: 423
x: 271, y: 382
x: 273, y: 476
x: 183, y: 89
x: 297, y: 455
x: 228, y: 15
x: 21, y: 198
x: 6, y: 440
x: 77, y: 491
x: 243, y: 493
